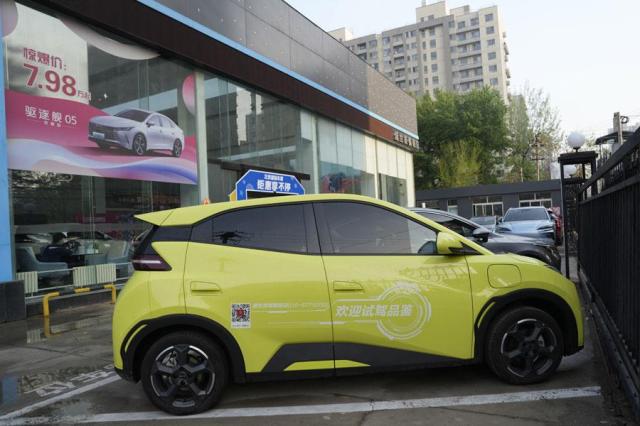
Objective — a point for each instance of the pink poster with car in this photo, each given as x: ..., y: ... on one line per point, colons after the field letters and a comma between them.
x: 55, y: 123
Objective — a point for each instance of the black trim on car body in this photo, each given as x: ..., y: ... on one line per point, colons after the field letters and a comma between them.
x: 551, y: 303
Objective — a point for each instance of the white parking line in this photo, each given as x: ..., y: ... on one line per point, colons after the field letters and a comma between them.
x: 358, y: 407
x: 44, y: 403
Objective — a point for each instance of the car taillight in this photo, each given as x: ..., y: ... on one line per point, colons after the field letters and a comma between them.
x: 150, y: 262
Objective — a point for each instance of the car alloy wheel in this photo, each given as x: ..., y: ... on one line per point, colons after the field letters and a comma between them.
x: 177, y: 149
x: 182, y: 376
x: 139, y: 144
x: 527, y: 348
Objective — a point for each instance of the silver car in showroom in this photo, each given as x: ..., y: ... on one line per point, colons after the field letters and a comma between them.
x: 138, y: 131
x: 534, y: 222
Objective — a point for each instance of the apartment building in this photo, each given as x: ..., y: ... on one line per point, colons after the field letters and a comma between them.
x: 448, y: 49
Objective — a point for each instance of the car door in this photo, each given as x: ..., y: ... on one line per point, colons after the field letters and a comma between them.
x: 395, y: 301
x: 168, y: 133
x: 155, y: 135
x: 257, y: 271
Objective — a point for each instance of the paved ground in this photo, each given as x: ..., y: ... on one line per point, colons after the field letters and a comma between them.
x: 65, y: 376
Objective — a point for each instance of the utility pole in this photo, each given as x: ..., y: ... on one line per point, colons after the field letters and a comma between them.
x: 618, y: 121
x: 537, y: 158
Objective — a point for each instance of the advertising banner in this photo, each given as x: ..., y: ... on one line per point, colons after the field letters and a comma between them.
x: 79, y: 102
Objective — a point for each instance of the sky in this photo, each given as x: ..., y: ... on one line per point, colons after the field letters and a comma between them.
x: 580, y: 52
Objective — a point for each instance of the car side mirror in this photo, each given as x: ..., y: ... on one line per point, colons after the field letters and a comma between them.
x: 448, y: 244
x: 149, y: 124
x: 481, y: 234
x: 500, y: 219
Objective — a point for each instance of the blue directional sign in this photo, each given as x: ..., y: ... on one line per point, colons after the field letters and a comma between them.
x: 267, y: 183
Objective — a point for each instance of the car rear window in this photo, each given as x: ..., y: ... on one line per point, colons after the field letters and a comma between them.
x: 516, y: 215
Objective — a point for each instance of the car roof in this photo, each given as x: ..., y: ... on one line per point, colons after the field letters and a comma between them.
x: 194, y: 214
x: 185, y: 216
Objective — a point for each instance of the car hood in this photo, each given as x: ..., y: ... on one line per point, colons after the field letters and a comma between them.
x: 113, y: 121
x: 526, y: 225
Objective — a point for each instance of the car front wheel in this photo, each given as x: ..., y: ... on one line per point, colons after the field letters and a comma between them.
x: 177, y: 148
x: 524, y: 345
x: 139, y: 145
x: 184, y: 373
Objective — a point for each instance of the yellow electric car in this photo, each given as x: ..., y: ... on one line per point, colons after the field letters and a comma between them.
x: 325, y: 285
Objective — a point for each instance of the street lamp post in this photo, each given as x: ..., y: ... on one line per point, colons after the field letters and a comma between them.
x: 569, y: 189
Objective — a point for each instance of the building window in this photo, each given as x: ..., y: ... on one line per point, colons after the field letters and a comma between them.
x: 536, y: 199
x: 373, y: 43
x: 492, y: 68
x: 452, y: 206
x: 434, y: 67
x: 492, y: 55
x: 436, y: 80
x: 432, y: 44
x: 424, y: 45
x: 452, y: 24
x: 385, y: 40
x: 488, y: 17
x: 424, y: 56
x: 426, y: 81
x: 461, y: 24
x: 474, y: 21
x: 491, y: 42
x: 432, y: 31
x: 434, y: 56
x: 430, y: 204
x: 494, y: 81
x: 490, y: 30
x: 487, y: 206
x: 431, y: 18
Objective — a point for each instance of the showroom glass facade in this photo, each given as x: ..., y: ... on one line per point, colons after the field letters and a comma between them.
x: 68, y: 220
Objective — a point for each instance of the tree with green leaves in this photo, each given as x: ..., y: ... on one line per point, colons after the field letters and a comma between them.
x: 465, y: 131
x: 534, y: 136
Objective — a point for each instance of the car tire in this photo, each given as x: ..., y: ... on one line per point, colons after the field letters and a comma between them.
x: 524, y: 345
x: 139, y: 144
x: 102, y: 145
x: 177, y: 148
x: 184, y: 373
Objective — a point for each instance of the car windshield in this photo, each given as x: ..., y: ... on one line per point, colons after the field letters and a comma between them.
x: 133, y: 114
x: 516, y: 215
x: 485, y: 220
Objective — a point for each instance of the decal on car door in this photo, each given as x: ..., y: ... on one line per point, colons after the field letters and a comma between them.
x: 399, y: 313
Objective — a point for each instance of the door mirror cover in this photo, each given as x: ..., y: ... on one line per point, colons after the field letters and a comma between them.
x: 481, y: 234
x: 448, y: 244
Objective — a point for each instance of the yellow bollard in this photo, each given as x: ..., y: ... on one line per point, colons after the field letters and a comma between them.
x: 113, y: 292
x: 45, y: 302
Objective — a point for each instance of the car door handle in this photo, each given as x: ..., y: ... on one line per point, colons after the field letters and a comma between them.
x: 205, y: 287
x: 346, y: 286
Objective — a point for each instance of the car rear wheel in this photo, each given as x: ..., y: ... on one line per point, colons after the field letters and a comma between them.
x: 177, y: 148
x: 139, y: 145
x: 184, y: 373
x: 524, y: 345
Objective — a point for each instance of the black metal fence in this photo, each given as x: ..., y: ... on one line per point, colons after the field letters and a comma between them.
x: 609, y: 258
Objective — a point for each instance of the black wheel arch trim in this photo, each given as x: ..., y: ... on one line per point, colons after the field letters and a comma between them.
x: 137, y: 339
x: 528, y: 297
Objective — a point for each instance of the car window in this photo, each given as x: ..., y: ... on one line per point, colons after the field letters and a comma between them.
x: 155, y: 120
x: 356, y: 228
x: 166, y: 122
x: 451, y: 223
x: 515, y: 215
x: 279, y: 228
